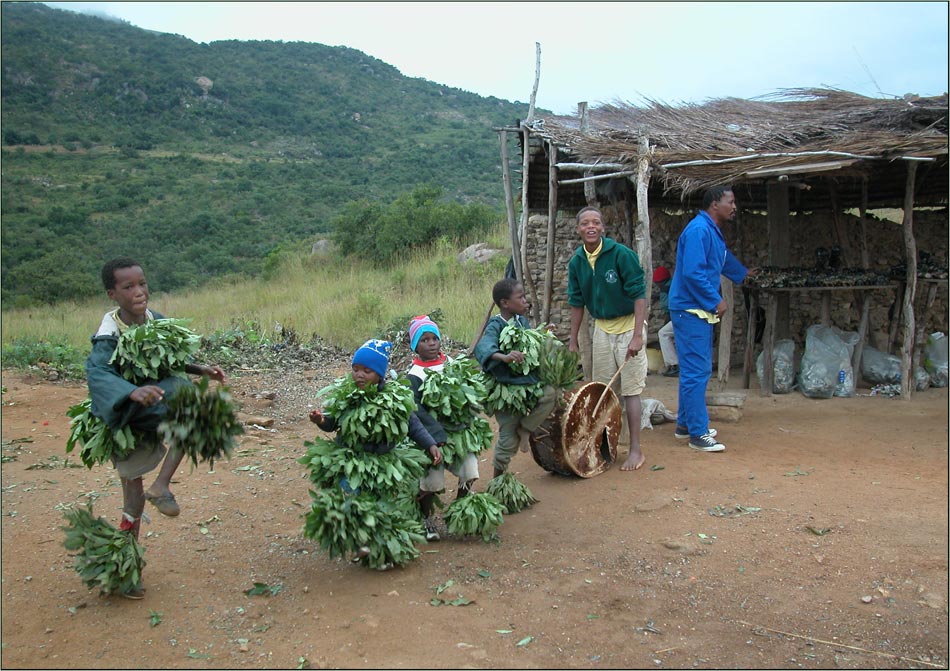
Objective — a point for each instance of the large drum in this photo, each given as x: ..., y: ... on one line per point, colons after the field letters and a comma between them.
x: 581, y: 435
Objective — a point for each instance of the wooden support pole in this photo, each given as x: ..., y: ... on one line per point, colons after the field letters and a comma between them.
x: 725, y: 333
x: 826, y: 308
x: 768, y: 344
x: 527, y: 279
x: 644, y: 245
x: 910, y: 293
x: 922, y: 317
x: 552, y: 228
x: 510, y: 205
x: 590, y: 191
x: 858, y: 353
x: 779, y: 245
x: 747, y: 361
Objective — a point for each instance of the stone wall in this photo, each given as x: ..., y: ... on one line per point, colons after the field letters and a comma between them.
x: 748, y: 239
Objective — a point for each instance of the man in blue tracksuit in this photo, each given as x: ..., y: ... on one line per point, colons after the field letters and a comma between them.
x: 695, y: 305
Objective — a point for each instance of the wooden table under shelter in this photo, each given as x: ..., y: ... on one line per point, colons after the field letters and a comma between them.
x: 768, y: 337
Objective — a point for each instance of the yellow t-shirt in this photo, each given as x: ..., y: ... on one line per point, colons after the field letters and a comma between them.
x: 617, y: 325
x: 710, y: 317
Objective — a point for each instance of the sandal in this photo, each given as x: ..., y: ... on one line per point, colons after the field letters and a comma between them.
x: 166, y: 504
x: 137, y: 592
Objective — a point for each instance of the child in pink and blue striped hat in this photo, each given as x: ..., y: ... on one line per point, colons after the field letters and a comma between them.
x: 425, y: 339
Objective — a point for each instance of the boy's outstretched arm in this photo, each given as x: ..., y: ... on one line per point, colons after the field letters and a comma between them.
x: 214, y: 372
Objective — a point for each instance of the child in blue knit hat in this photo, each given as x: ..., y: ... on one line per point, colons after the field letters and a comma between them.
x: 369, y: 366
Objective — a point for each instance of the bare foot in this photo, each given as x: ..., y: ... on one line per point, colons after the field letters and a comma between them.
x: 524, y: 444
x: 633, y: 462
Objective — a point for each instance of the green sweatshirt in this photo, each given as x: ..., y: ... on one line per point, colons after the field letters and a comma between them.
x: 610, y: 289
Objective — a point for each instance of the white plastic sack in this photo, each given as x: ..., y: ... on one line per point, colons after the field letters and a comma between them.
x: 783, y: 367
x: 880, y: 368
x: 826, y: 364
x: 935, y: 358
x: 653, y: 412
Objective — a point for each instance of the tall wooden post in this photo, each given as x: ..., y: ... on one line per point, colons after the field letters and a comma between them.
x: 590, y: 190
x: 910, y: 292
x: 510, y: 205
x: 779, y: 246
x: 552, y: 228
x: 527, y: 279
x: 644, y: 245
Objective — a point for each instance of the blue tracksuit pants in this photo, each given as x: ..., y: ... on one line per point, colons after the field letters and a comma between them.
x: 694, y: 345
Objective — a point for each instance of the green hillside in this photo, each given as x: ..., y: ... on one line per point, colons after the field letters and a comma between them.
x: 205, y: 158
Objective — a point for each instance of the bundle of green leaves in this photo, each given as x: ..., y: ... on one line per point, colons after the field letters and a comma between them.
x: 201, y: 422
x: 478, y: 514
x: 382, y: 474
x: 511, y: 493
x: 473, y: 439
x: 106, y: 557
x: 99, y: 443
x: 371, y: 414
x: 455, y: 394
x: 558, y: 364
x: 530, y: 342
x: 342, y: 524
x: 518, y: 399
x: 156, y: 349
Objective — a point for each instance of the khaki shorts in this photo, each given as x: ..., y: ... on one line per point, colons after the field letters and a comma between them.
x: 434, y: 481
x: 145, y: 457
x: 608, y: 352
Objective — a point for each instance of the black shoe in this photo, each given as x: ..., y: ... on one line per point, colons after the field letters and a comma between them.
x: 672, y: 371
x: 706, y: 443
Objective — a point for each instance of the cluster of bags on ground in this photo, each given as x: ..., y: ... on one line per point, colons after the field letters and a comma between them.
x: 825, y: 369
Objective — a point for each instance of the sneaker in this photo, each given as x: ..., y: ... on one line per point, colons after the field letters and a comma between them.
x: 681, y: 432
x: 706, y: 443
x: 432, y: 534
x: 672, y: 371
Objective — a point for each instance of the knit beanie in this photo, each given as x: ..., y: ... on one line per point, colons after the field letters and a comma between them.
x: 418, y: 326
x: 661, y: 273
x: 374, y: 354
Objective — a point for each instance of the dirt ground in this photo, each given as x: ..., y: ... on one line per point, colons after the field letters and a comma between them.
x: 817, y: 540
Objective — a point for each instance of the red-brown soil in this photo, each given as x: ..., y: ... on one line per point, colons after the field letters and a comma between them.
x: 817, y: 540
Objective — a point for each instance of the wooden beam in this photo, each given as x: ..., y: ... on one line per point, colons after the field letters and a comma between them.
x: 594, y: 178
x: 910, y: 292
x: 592, y: 166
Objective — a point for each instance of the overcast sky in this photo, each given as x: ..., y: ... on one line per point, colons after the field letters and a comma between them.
x: 599, y: 52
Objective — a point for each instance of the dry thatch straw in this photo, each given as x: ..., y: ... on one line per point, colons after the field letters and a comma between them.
x: 788, y: 128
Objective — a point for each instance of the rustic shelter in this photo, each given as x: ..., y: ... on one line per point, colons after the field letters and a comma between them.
x: 802, y: 162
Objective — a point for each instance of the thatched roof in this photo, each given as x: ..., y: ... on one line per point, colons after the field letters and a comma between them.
x: 731, y: 140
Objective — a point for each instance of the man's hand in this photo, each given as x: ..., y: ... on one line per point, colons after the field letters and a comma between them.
x: 316, y: 416
x: 436, y: 454
x: 721, y: 308
x: 572, y: 345
x: 514, y: 356
x: 148, y: 395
